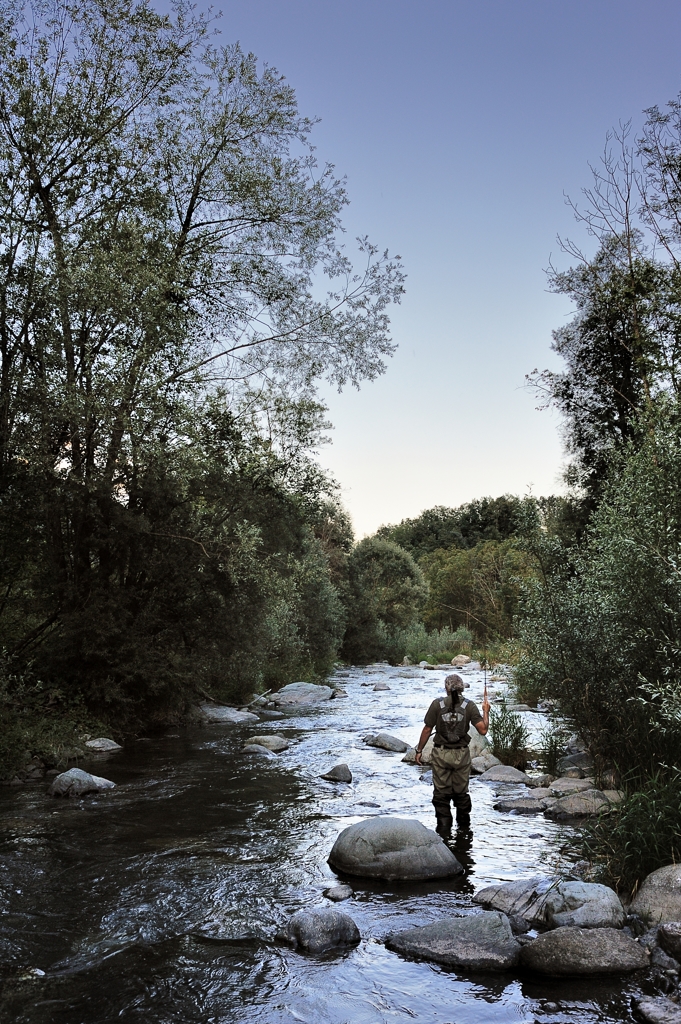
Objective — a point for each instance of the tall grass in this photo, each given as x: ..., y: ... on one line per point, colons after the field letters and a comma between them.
x: 510, y: 736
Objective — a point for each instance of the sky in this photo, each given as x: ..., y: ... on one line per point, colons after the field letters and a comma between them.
x: 461, y: 127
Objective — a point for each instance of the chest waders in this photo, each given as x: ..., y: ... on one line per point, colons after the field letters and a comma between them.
x: 451, y: 763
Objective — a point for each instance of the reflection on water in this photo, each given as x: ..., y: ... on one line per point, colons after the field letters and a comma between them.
x: 159, y: 902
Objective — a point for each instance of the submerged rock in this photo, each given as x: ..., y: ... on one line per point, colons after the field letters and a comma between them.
x: 295, y: 694
x: 338, y: 893
x: 76, y: 782
x: 659, y: 898
x: 102, y: 744
x: 392, y: 848
x: 257, y: 748
x: 274, y: 743
x: 339, y: 773
x: 480, y: 942
x: 220, y: 714
x: 387, y: 742
x: 320, y: 929
x: 577, y: 951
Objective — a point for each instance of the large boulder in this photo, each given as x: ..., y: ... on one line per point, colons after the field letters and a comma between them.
x: 481, y: 942
x: 76, y: 782
x: 504, y: 773
x: 387, y: 742
x: 478, y: 744
x: 220, y: 714
x: 392, y: 848
x: 274, y: 743
x: 577, y: 951
x: 659, y: 898
x: 103, y: 745
x: 426, y: 753
x: 548, y: 902
x: 658, y: 1010
x: 320, y: 929
x: 296, y: 694
x: 579, y: 805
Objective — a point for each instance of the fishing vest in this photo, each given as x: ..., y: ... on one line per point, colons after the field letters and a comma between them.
x: 452, y: 724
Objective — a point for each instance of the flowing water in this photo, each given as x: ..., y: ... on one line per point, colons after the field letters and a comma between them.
x: 158, y: 902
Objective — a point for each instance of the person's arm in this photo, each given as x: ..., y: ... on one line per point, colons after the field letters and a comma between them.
x: 483, y: 726
x: 423, y: 739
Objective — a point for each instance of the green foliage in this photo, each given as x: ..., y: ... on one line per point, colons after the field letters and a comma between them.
x: 639, y: 835
x: 387, y: 591
x: 552, y: 748
x: 509, y: 736
x: 437, y: 646
x: 163, y: 527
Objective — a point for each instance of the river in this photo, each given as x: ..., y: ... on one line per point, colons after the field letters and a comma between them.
x: 158, y: 902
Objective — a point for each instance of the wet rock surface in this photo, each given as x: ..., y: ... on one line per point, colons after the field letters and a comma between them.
x: 102, y: 744
x: 75, y: 782
x: 578, y: 805
x: 386, y: 742
x: 339, y: 773
x: 657, y: 1010
x: 316, y: 931
x: 554, y: 903
x: 659, y: 898
x: 669, y: 937
x: 577, y: 951
x: 392, y: 848
x: 480, y: 942
x: 218, y: 714
x: 274, y: 743
x: 297, y: 694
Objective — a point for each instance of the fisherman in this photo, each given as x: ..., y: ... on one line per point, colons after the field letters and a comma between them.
x: 451, y: 717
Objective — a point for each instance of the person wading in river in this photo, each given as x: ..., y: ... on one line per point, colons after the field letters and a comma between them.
x: 451, y: 717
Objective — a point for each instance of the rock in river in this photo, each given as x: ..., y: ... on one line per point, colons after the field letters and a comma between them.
x: 547, y: 901
x: 387, y: 742
x: 481, y: 942
x: 301, y: 693
x: 669, y: 937
x: 76, y: 782
x: 339, y: 773
x: 483, y: 763
x: 217, y: 713
x: 503, y: 773
x: 274, y: 743
x: 659, y: 898
x: 392, y: 848
x: 566, y: 787
x: 521, y: 804
x: 579, y: 805
x: 381, y: 686
x: 658, y: 1010
x: 103, y: 745
x: 577, y: 951
x: 338, y: 893
x: 257, y: 748
x: 320, y: 929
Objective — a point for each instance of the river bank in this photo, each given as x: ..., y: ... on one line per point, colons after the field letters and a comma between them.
x: 159, y: 901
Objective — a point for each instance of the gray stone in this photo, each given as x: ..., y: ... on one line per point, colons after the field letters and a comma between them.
x: 481, y: 942
x: 669, y: 937
x: 216, y: 713
x: 583, y: 951
x: 521, y: 805
x: 257, y: 748
x: 477, y: 744
x: 320, y: 929
x: 426, y: 753
x: 338, y: 693
x: 103, y: 745
x: 581, y: 759
x: 579, y: 805
x: 659, y: 898
x: 274, y: 743
x: 460, y: 660
x: 539, y: 781
x: 484, y: 762
x: 666, y: 963
x: 658, y: 1010
x: 76, y: 782
x: 271, y: 715
x: 392, y: 848
x: 381, y: 686
x: 295, y: 694
x: 338, y: 893
x: 566, y: 787
x: 613, y: 796
x: 339, y: 773
x: 503, y: 773
x: 387, y: 742
x: 553, y: 903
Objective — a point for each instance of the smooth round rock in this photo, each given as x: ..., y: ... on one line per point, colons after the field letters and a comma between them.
x: 549, y: 902
x: 338, y: 893
x: 220, y: 715
x: 274, y: 743
x: 480, y: 942
x: 103, y: 745
x: 320, y: 929
x: 75, y: 782
x: 503, y: 773
x: 659, y: 898
x: 578, y: 951
x: 339, y: 773
x: 392, y: 848
x: 257, y: 748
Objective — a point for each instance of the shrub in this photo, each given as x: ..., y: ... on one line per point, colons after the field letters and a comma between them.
x: 509, y: 736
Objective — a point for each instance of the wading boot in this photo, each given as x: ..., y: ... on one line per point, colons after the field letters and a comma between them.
x: 463, y: 821
x: 444, y: 824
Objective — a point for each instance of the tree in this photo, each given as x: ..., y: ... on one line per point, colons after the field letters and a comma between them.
x: 164, y: 225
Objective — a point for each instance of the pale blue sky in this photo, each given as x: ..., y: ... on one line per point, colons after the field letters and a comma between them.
x: 459, y: 127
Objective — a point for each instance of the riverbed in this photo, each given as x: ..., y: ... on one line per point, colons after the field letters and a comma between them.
x: 158, y: 902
